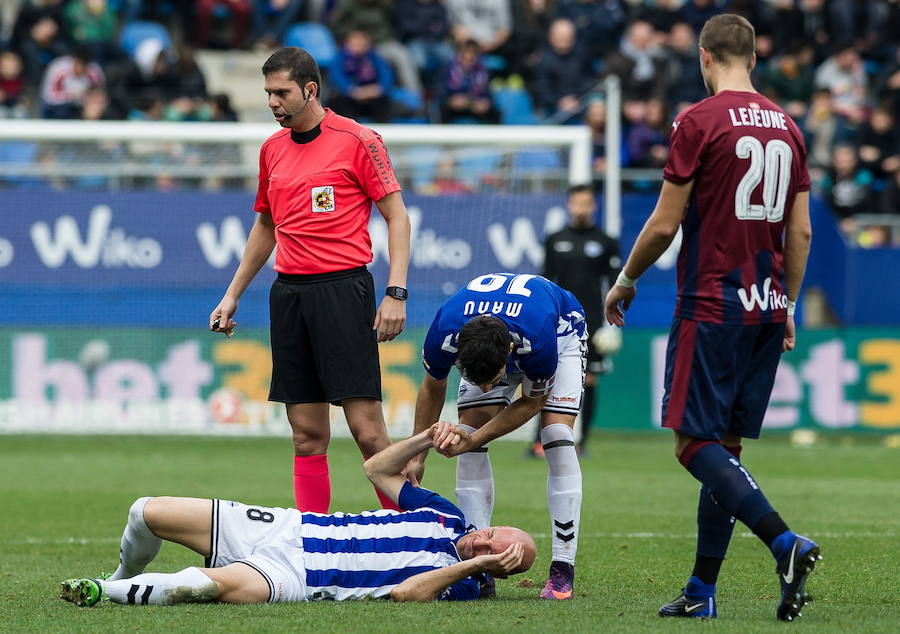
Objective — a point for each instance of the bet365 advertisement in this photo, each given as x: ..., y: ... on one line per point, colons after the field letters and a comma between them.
x: 80, y: 380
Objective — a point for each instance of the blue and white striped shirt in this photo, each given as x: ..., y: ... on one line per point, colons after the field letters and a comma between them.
x: 355, y: 556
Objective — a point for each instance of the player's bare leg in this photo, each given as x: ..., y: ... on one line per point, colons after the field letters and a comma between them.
x: 563, y: 500
x: 365, y: 418
x: 185, y: 521
x: 474, y: 477
x: 311, y: 430
x: 234, y: 583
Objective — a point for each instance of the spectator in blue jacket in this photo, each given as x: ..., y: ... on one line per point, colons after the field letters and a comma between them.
x: 466, y: 90
x: 697, y: 12
x: 848, y: 188
x: 599, y: 23
x: 561, y: 75
x: 361, y: 80
x: 271, y: 19
x: 424, y: 27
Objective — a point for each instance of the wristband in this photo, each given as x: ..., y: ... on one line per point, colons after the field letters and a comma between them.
x: 397, y: 292
x: 791, y: 307
x: 624, y: 280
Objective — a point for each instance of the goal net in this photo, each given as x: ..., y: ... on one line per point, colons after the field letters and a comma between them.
x: 119, y: 238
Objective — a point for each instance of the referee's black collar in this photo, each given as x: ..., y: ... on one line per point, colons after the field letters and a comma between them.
x: 306, y: 137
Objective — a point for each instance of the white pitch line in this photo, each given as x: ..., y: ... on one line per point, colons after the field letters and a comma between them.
x: 67, y: 540
x: 84, y: 541
x: 694, y: 535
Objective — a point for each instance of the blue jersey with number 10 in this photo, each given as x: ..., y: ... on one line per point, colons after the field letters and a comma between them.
x: 535, y: 310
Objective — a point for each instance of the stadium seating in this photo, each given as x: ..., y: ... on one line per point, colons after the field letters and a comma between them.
x: 425, y: 159
x: 476, y: 163
x: 134, y: 33
x: 533, y: 165
x: 515, y: 107
x: 19, y: 153
x: 410, y: 104
x: 316, y: 39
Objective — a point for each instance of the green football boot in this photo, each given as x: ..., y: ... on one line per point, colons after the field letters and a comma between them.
x: 85, y: 593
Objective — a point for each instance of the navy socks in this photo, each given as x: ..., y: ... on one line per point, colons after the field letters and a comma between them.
x: 730, y: 484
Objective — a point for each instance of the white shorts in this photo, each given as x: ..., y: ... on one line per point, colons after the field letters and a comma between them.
x: 565, y: 394
x: 266, y: 539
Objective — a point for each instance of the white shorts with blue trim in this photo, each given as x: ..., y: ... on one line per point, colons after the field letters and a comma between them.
x: 266, y: 539
x: 565, y: 393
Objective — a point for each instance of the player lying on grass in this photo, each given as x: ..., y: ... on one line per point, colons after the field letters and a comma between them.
x: 256, y: 554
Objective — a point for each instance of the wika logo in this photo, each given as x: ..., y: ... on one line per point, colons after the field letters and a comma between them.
x: 766, y: 300
x: 103, y: 245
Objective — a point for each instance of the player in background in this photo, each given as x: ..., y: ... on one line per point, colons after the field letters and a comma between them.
x: 258, y: 554
x: 318, y: 178
x: 735, y: 180
x: 503, y: 330
x: 583, y: 259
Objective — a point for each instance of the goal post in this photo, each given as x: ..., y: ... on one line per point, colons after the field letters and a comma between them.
x: 136, y: 228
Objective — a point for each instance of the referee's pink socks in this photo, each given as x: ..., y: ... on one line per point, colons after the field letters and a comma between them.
x: 385, y: 501
x: 312, y: 485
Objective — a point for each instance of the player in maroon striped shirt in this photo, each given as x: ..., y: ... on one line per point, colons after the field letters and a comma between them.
x: 736, y: 182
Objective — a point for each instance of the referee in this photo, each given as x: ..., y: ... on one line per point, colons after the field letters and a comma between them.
x: 585, y: 260
x: 318, y: 178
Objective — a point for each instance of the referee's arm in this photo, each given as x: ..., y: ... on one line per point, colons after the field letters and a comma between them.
x: 259, y: 247
x: 391, y: 316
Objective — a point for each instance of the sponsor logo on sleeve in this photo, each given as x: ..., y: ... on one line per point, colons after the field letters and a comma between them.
x: 322, y: 199
x: 382, y: 161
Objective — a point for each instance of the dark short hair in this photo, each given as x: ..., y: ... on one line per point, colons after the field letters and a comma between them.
x: 483, y: 348
x: 579, y: 189
x: 83, y: 54
x: 727, y: 37
x: 300, y: 64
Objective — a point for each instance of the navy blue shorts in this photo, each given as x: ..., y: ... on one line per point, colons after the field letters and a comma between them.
x: 719, y: 377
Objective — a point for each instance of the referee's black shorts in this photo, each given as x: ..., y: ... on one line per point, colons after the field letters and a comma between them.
x: 323, y: 347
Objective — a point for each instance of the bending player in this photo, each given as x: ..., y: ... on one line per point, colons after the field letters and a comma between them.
x: 257, y: 555
x: 503, y: 330
x: 736, y: 180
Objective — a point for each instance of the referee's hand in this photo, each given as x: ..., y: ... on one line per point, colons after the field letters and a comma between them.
x: 220, y: 319
x: 390, y: 319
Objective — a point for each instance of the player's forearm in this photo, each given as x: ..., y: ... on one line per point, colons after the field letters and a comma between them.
x: 510, y: 418
x: 390, y: 462
x: 426, y: 586
x: 429, y: 403
x: 660, y: 228
x: 259, y: 247
x: 794, y: 270
x: 797, y: 240
x: 651, y: 243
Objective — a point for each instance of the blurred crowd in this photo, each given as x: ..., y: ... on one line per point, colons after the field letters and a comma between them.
x: 834, y: 65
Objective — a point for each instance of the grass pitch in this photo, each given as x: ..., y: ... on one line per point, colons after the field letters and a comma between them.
x: 65, y: 500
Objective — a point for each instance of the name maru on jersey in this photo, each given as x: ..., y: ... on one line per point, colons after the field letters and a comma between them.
x: 513, y: 309
x: 757, y: 118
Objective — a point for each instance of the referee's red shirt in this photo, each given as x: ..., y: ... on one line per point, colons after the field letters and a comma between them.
x: 320, y: 195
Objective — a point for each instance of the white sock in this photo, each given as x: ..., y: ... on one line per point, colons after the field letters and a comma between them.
x: 475, y: 485
x: 138, y: 546
x: 563, y: 489
x: 191, y: 585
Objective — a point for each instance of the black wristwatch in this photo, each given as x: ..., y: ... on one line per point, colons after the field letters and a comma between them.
x: 397, y: 292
